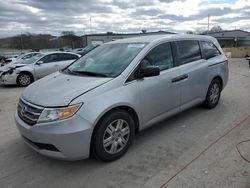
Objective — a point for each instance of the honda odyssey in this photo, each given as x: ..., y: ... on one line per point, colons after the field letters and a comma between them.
x: 95, y: 106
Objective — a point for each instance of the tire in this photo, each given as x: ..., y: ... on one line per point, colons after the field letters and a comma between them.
x: 24, y: 79
x: 213, y: 94
x: 113, y: 136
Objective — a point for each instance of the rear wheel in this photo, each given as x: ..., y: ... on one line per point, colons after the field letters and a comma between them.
x: 213, y: 94
x: 113, y: 136
x: 24, y: 79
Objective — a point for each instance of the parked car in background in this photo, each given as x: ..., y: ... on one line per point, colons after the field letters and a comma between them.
x: 83, y: 51
x: 17, y: 58
x: 4, y: 60
x: 15, y: 64
x: 97, y: 104
x: 25, y: 72
x: 24, y: 57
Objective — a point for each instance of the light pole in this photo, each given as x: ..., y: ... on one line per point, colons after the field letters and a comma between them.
x: 208, y: 16
x: 90, y: 24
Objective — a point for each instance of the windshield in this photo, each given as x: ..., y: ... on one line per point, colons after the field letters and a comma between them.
x: 32, y: 60
x: 20, y: 56
x: 106, y: 60
x: 89, y: 47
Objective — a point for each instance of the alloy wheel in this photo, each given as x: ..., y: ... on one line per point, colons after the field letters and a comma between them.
x: 214, y: 93
x: 116, y: 136
x: 24, y: 79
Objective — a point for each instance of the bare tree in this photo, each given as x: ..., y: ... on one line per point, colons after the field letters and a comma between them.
x: 69, y: 39
x: 67, y: 33
x: 216, y: 29
x: 190, y: 32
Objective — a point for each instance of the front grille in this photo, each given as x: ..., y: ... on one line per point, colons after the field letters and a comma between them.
x: 29, y: 113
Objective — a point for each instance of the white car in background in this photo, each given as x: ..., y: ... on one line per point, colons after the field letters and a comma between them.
x: 25, y: 72
x: 24, y: 57
x: 19, y: 58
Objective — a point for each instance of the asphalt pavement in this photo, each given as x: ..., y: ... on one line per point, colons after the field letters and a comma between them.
x: 197, y: 148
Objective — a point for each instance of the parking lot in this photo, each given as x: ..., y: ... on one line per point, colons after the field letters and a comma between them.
x: 196, y: 148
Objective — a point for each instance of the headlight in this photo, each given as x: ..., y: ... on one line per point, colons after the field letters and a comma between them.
x: 54, y: 114
x: 10, y: 71
x: 17, y: 71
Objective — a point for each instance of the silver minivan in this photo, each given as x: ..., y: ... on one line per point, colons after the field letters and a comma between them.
x: 95, y: 106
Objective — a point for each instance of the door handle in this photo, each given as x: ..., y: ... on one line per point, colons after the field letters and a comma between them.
x: 176, y: 79
x: 184, y: 76
x: 179, y: 78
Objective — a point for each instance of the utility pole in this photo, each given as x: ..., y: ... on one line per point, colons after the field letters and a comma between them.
x: 83, y: 29
x: 208, y: 17
x: 90, y: 24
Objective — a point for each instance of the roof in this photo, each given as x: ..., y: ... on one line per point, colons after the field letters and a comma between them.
x: 127, y: 34
x: 236, y: 30
x: 151, y: 38
x: 59, y: 52
x: 230, y: 34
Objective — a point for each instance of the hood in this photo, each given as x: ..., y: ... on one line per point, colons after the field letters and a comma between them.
x: 11, y: 66
x: 60, y: 89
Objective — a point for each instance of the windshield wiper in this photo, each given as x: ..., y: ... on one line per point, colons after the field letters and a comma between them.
x: 69, y: 71
x: 90, y: 73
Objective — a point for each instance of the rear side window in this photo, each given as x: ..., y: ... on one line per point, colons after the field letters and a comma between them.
x: 209, y: 49
x: 187, y: 51
x: 27, y: 56
x: 65, y: 57
x: 62, y: 57
x: 161, y: 56
x: 50, y: 58
x: 71, y: 56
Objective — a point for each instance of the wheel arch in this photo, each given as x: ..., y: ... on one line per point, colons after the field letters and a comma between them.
x: 218, y: 78
x: 126, y: 108
x: 26, y: 72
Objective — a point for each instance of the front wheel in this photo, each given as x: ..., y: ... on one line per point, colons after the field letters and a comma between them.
x: 24, y: 79
x: 213, y: 94
x: 113, y: 135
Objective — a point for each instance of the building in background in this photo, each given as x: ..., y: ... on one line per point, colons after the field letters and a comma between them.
x: 232, y: 38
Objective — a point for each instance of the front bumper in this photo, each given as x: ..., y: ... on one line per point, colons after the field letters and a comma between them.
x: 70, y: 137
x: 7, y: 79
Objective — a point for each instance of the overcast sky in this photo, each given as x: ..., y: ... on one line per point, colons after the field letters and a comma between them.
x: 123, y: 16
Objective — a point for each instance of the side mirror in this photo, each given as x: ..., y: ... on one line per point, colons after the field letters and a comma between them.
x: 39, y: 62
x: 147, y: 70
